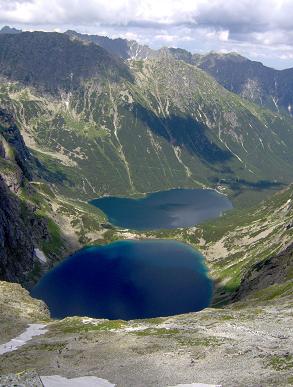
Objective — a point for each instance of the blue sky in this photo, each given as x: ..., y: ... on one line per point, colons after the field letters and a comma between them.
x: 261, y: 29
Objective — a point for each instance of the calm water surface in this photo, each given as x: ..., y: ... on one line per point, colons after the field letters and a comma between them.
x: 165, y: 209
x: 128, y: 280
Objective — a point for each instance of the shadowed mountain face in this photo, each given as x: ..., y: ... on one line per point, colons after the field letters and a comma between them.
x: 9, y: 30
x: 51, y: 61
x: 274, y: 269
x: 20, y: 227
x: 123, y: 48
x: 252, y: 80
x: 185, y: 132
x: 17, y: 248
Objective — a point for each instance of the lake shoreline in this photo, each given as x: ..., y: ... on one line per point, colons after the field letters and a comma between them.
x: 126, y: 280
x: 175, y: 208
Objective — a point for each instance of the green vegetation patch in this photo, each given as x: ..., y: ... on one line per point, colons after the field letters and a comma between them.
x: 45, y: 189
x: 280, y: 362
x: 154, y: 320
x: 55, y: 243
x: 75, y: 325
x: 274, y: 291
x: 48, y: 346
x: 209, y: 341
x: 157, y: 332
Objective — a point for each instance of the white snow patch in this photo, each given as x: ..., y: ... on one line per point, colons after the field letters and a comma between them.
x: 40, y: 255
x: 197, y: 385
x: 84, y: 381
x: 177, y: 152
x: 260, y: 140
x: 275, y: 100
x: 93, y: 321
x: 31, y: 331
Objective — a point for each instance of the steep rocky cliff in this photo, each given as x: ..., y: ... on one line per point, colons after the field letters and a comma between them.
x: 252, y: 80
x: 275, y: 269
x: 37, y: 227
x: 20, y: 229
x: 15, y: 159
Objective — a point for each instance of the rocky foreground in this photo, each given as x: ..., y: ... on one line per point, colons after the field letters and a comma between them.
x: 246, y: 344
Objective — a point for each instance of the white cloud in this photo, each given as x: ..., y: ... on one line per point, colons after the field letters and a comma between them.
x: 230, y: 13
x: 166, y: 38
x: 224, y: 35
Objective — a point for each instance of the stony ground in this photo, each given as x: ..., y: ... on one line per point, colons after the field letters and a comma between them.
x: 246, y: 344
x: 17, y: 310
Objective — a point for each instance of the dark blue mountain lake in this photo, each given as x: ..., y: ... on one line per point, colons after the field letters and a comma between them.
x: 164, y: 209
x: 128, y: 280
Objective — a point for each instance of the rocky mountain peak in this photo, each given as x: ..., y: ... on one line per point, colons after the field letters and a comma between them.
x: 9, y: 30
x: 52, y: 61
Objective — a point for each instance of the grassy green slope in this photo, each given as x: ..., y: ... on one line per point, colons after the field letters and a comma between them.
x: 173, y: 126
x: 241, y: 239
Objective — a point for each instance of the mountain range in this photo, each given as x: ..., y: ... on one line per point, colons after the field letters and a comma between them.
x: 77, y: 106
x: 252, y: 80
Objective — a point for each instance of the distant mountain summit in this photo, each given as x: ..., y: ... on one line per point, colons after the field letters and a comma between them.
x: 125, y: 49
x: 52, y: 61
x: 252, y: 80
x: 9, y: 30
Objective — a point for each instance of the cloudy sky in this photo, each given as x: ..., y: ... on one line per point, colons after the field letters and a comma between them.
x: 259, y: 29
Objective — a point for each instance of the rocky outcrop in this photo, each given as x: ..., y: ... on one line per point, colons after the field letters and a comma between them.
x: 273, y: 270
x: 123, y: 48
x: 15, y: 302
x: 15, y: 159
x: 24, y: 379
x: 10, y: 134
x: 19, y: 228
x: 17, y: 310
x: 2, y: 150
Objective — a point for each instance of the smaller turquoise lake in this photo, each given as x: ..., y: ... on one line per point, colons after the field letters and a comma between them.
x: 164, y: 209
x: 128, y: 280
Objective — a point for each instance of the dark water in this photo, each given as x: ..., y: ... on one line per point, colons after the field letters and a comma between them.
x: 165, y: 209
x: 127, y: 280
